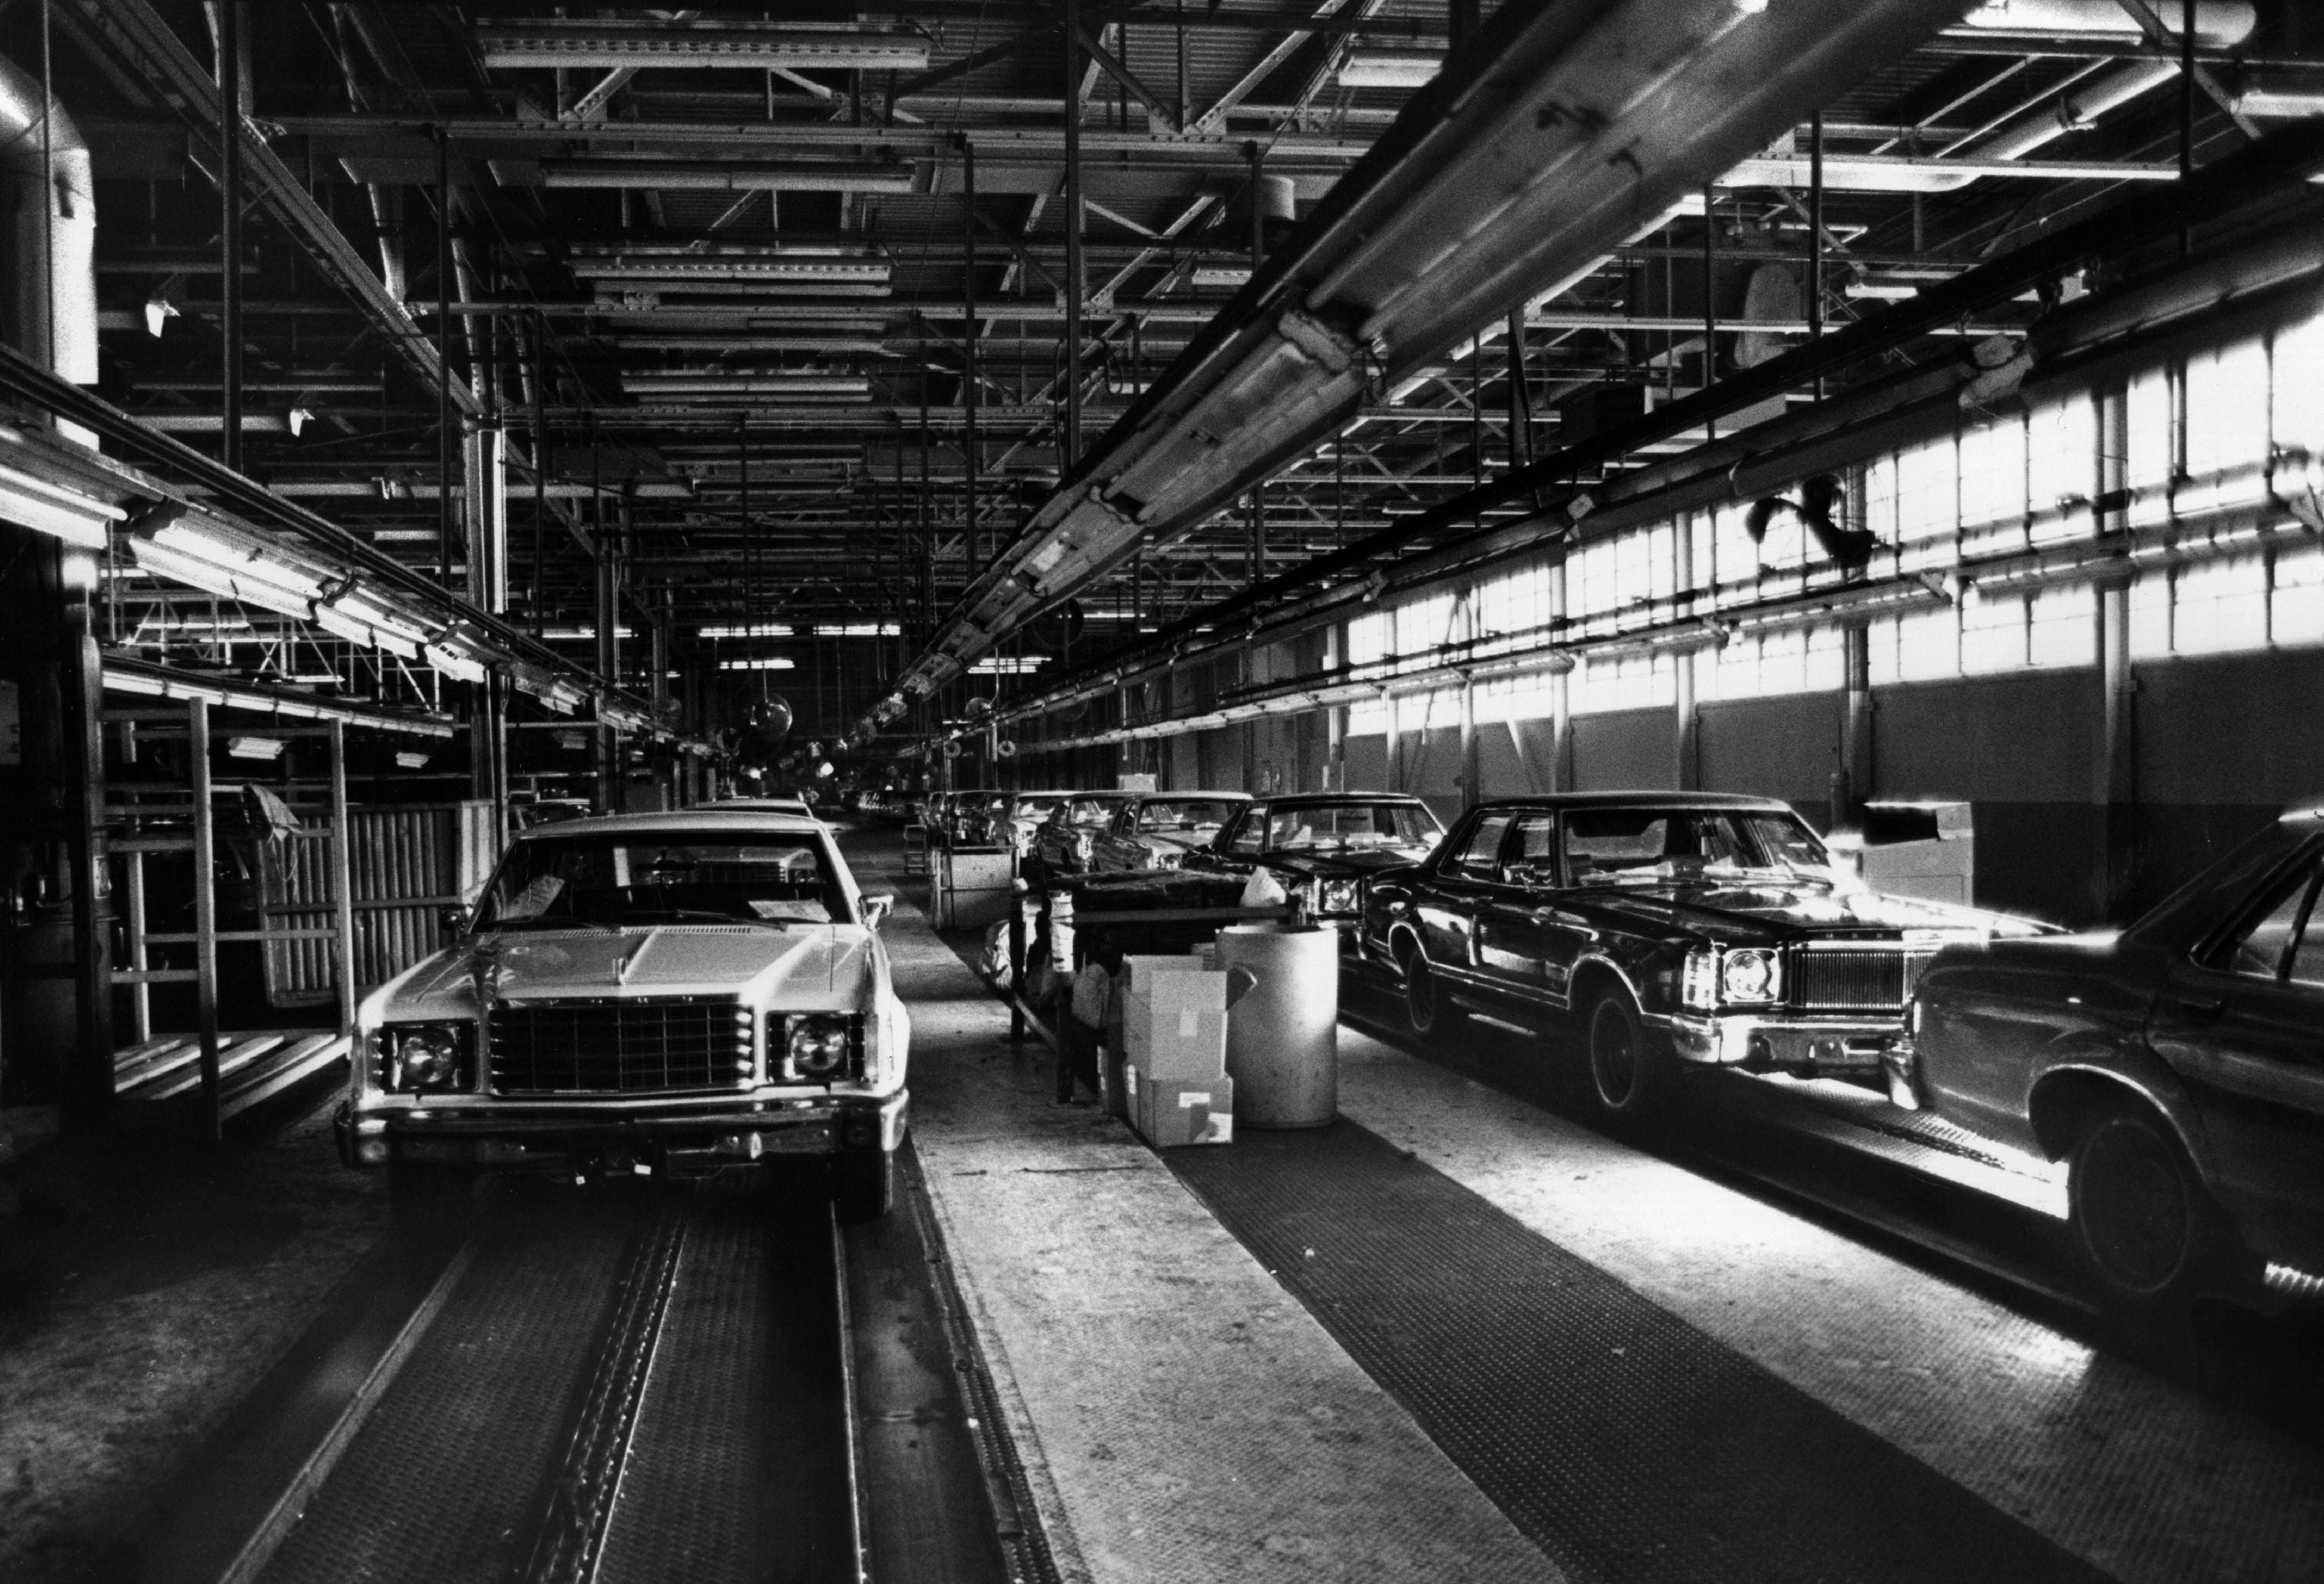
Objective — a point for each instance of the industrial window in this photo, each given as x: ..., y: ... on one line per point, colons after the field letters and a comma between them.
x: 2220, y: 605
x: 1757, y: 665
x: 1993, y: 632
x: 2060, y: 469
x: 1628, y: 681
x: 1993, y: 485
x: 2061, y: 626
x: 2227, y: 418
x: 2299, y: 386
x: 2296, y: 604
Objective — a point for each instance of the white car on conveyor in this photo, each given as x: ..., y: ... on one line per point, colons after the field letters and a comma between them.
x: 657, y: 994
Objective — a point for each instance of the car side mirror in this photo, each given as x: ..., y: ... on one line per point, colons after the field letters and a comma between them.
x: 876, y: 910
x: 453, y: 921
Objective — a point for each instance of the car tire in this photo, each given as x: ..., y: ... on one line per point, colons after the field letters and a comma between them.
x: 1432, y: 1014
x: 863, y: 1186
x: 1628, y: 1078
x: 423, y: 1194
x: 2148, y: 1232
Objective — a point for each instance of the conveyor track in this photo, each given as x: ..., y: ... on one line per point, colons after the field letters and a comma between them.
x: 634, y: 1384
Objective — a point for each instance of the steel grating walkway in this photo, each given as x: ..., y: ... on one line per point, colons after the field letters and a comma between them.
x: 1627, y: 1444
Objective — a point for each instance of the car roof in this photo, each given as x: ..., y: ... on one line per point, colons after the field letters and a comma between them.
x: 1321, y: 800
x: 1232, y: 797
x: 710, y: 818
x: 1640, y: 800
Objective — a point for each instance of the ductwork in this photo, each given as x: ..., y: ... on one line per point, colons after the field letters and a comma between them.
x: 48, y: 275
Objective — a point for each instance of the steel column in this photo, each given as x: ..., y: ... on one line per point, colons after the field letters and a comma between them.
x: 973, y: 332
x: 343, y: 882
x: 89, y: 1088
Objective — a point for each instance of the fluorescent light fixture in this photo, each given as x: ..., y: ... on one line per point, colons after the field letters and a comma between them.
x: 572, y: 740
x: 792, y: 47
x: 753, y: 630
x: 579, y: 633
x: 848, y: 387
x: 269, y: 748
x: 2281, y: 103
x: 730, y: 175
x: 410, y: 760
x: 1215, y: 275
x: 860, y: 630
x: 34, y: 502
x: 1007, y: 665
x: 454, y: 662
x: 1390, y: 69
x: 773, y: 266
x: 761, y: 662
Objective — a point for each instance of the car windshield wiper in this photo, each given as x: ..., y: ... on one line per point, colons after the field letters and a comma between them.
x: 706, y: 915
x: 548, y: 922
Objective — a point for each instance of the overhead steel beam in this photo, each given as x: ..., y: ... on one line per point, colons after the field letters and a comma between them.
x: 135, y: 30
x: 1556, y: 136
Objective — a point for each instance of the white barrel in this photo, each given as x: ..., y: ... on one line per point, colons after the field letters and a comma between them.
x: 1283, y: 1023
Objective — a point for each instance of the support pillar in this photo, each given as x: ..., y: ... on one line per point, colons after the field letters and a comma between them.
x: 343, y: 882
x: 1686, y: 775
x: 1076, y: 286
x: 1852, y: 783
x: 1561, y: 697
x: 89, y: 1088
x: 2116, y: 790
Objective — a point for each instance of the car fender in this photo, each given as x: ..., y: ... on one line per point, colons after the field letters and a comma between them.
x: 2062, y: 1092
x: 1593, y: 964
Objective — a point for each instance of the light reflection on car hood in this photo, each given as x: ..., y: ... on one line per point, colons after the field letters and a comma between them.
x: 804, y: 966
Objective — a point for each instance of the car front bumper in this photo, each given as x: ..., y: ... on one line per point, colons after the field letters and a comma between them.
x: 1776, y: 1042
x: 583, y: 1134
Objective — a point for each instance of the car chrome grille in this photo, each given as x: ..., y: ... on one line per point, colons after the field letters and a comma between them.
x: 1854, y: 979
x: 621, y: 1047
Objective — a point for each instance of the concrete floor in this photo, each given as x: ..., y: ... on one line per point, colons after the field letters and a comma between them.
x: 144, y: 1288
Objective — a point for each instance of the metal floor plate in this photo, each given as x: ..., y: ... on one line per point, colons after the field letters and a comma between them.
x: 738, y: 1467
x: 442, y: 1482
x: 1624, y: 1442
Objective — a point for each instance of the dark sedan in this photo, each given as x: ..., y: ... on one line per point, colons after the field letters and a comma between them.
x: 1322, y: 845
x: 2177, y: 1066
x: 1668, y: 928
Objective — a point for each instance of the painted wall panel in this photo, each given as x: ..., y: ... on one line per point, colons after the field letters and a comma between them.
x: 1786, y: 746
x: 1625, y: 750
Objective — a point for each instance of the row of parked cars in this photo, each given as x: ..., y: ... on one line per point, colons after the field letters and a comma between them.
x: 2177, y: 1065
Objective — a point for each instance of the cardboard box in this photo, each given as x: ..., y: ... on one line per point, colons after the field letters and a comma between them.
x: 1173, y: 980
x: 1174, y: 1040
x: 1168, y: 1114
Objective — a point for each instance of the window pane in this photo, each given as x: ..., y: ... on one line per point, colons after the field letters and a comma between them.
x: 1480, y: 857
x: 2259, y: 950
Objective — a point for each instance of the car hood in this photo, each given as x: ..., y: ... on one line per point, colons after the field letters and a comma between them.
x: 808, y: 967
x: 1777, y: 912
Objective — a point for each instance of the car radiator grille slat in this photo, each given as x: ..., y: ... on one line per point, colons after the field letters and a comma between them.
x: 1869, y: 978
x: 665, y: 1045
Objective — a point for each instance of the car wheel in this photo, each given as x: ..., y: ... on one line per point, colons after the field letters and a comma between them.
x: 430, y: 1193
x: 863, y: 1186
x: 1628, y: 1076
x: 1432, y: 1012
x: 2146, y: 1228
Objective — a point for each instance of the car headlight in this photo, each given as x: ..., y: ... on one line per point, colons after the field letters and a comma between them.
x: 425, y: 1057
x: 1748, y: 974
x: 822, y: 1044
x: 1698, y: 985
x: 1339, y: 896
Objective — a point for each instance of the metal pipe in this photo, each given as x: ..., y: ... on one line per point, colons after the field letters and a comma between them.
x: 198, y: 758
x: 444, y: 357
x: 1815, y: 235
x: 343, y: 879
x: 229, y: 83
x: 1076, y: 286
x: 973, y: 332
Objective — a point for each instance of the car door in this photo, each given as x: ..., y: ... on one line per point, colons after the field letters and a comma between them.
x: 2244, y: 1024
x: 1513, y: 925
x: 1113, y: 848
x: 1237, y: 849
x: 1449, y: 904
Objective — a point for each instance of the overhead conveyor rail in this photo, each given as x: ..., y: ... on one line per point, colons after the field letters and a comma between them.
x: 1556, y: 134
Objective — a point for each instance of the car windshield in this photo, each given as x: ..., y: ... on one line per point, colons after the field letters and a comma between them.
x: 1092, y: 811
x: 1613, y: 846
x: 1171, y: 816
x: 1342, y: 826
x: 613, y: 879
x: 1038, y: 808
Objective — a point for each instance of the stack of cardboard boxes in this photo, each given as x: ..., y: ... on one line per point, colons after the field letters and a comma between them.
x: 1173, y: 1033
